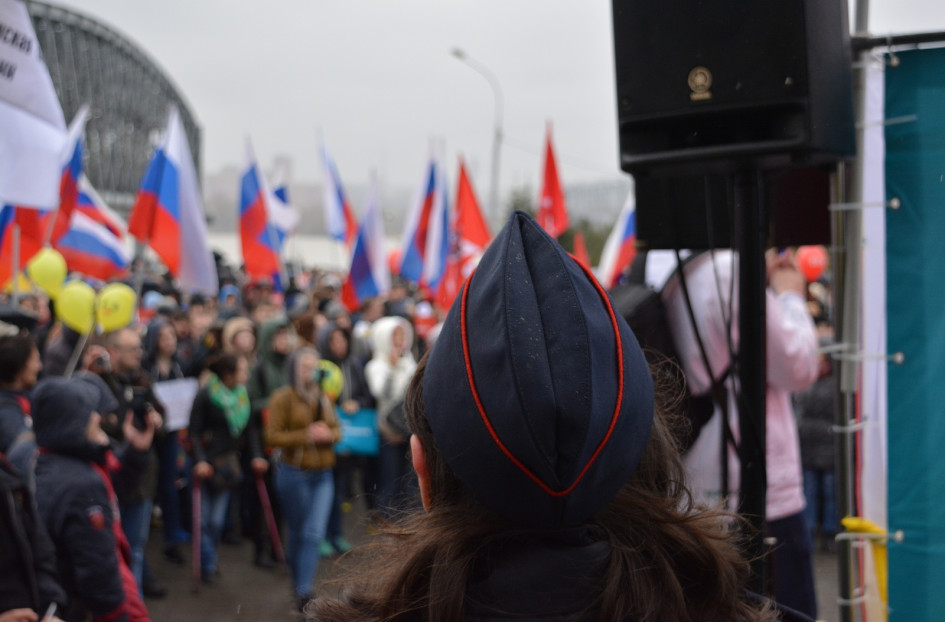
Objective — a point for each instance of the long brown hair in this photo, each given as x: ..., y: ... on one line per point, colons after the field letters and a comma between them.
x: 668, y: 561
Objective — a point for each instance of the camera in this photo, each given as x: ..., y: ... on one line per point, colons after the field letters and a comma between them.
x: 140, y: 406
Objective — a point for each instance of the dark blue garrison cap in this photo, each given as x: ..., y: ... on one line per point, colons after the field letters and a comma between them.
x: 537, y: 392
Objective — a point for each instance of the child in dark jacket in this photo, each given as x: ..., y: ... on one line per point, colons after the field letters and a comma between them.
x: 76, y: 476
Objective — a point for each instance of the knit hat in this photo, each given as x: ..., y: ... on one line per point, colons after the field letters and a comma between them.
x: 537, y: 393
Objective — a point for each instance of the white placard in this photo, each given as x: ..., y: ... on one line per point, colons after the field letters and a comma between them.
x: 177, y: 398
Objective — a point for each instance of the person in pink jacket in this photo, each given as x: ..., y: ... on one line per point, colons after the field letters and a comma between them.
x: 792, y: 366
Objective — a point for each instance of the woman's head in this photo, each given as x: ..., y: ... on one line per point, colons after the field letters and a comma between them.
x: 302, y: 370
x: 166, y: 340
x: 390, y: 334
x: 232, y: 370
x: 339, y: 343
x: 535, y: 375
x: 239, y: 336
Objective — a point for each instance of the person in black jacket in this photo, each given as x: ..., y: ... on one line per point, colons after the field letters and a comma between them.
x: 552, y: 489
x: 130, y: 384
x: 219, y: 430
x: 20, y: 366
x: 76, y: 477
x: 29, y: 581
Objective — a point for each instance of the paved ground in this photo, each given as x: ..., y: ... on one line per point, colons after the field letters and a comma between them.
x: 245, y: 593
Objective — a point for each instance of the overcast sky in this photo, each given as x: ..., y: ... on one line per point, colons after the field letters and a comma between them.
x: 377, y: 79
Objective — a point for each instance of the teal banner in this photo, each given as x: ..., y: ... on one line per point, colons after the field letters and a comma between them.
x: 915, y: 307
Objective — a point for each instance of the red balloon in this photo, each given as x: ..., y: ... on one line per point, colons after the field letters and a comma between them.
x: 812, y: 261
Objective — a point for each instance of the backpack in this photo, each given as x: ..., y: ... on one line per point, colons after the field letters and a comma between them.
x: 643, y: 309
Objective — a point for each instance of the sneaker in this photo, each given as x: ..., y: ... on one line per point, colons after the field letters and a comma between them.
x: 173, y: 555
x: 301, y: 601
x: 152, y: 589
x: 264, y: 560
x: 325, y: 549
x: 341, y: 545
x: 210, y: 576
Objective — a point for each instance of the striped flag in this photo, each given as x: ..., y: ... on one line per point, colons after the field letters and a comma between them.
x: 168, y: 212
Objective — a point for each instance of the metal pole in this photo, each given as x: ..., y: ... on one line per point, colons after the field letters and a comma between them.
x: 493, y: 214
x: 16, y: 260
x: 751, y: 217
x: 845, y: 237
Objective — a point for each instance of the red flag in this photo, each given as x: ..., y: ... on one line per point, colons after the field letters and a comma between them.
x: 580, y: 250
x: 552, y: 212
x: 469, y: 239
x: 32, y: 231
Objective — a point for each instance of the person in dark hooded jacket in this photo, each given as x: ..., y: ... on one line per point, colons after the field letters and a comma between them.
x: 76, y: 477
x: 28, y: 577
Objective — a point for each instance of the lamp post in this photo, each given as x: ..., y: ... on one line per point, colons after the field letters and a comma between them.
x: 497, y: 129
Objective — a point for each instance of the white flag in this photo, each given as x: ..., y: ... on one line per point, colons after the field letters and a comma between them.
x: 32, y: 126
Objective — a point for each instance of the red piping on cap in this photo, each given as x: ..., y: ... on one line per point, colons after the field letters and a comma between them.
x: 485, y: 418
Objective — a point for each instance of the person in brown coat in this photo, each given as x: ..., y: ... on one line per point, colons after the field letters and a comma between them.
x: 303, y: 426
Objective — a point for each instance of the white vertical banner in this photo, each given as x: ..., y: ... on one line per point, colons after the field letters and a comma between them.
x: 32, y: 127
x: 871, y: 474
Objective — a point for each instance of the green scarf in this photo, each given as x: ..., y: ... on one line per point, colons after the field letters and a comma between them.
x: 233, y: 402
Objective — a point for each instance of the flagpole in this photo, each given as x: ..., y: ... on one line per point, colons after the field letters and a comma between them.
x: 47, y: 235
x: 496, y: 130
x: 16, y: 260
x: 275, y: 244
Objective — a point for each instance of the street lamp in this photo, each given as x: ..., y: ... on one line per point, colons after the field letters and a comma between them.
x: 497, y: 129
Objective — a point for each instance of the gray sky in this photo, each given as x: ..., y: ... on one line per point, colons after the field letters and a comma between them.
x: 377, y: 79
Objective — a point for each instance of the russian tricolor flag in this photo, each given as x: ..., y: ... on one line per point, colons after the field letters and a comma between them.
x: 71, y: 172
x: 259, y: 236
x: 368, y: 276
x: 619, y: 250
x: 282, y: 216
x: 168, y: 213
x: 91, y: 246
x: 340, y: 220
x: 426, y: 237
x: 92, y: 206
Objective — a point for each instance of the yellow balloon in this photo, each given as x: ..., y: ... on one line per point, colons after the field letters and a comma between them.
x: 332, y: 380
x: 115, y: 306
x: 47, y: 269
x: 23, y: 285
x: 75, y: 306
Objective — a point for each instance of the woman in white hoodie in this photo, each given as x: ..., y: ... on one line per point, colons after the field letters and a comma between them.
x: 388, y: 373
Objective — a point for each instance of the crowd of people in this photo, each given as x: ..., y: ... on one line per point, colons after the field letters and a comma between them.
x: 261, y: 436
x: 298, y: 405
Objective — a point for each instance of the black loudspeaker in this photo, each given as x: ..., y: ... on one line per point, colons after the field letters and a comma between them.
x: 732, y: 81
x: 696, y: 211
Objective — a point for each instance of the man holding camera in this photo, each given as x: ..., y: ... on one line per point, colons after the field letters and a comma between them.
x: 132, y: 387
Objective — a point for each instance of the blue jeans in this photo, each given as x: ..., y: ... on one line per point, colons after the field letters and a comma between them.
x: 173, y: 466
x: 213, y: 507
x: 136, y: 523
x: 820, y: 494
x: 306, y: 496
